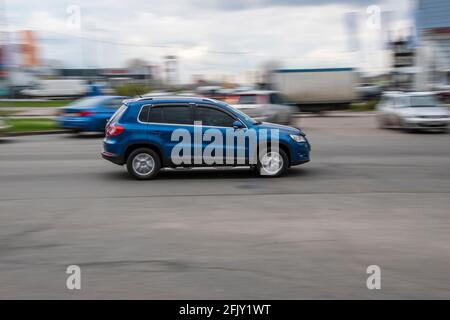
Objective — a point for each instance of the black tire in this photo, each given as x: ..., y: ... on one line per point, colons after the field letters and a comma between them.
x: 381, y: 122
x: 263, y: 173
x: 254, y: 169
x: 141, y: 152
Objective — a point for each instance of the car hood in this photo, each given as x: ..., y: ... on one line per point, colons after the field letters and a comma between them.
x: 286, y: 129
x: 425, y: 111
x: 247, y: 106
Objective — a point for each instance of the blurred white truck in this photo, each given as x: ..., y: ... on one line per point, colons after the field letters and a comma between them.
x: 317, y: 89
x: 60, y: 88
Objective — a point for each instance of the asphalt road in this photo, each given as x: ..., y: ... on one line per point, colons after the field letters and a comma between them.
x: 369, y: 197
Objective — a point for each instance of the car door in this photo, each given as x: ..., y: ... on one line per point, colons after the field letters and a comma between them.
x: 170, y: 125
x: 399, y: 104
x: 216, y: 121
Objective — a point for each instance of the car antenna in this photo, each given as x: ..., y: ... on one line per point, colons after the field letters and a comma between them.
x: 137, y: 93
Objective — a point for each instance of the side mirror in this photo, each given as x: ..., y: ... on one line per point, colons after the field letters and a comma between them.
x: 237, y: 124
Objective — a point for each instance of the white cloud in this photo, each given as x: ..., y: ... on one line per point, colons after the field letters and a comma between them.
x: 206, y: 36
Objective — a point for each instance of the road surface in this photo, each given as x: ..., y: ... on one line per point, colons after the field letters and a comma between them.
x: 368, y: 197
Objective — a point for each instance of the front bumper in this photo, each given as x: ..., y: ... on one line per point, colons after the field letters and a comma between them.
x: 300, y: 153
x: 422, y: 123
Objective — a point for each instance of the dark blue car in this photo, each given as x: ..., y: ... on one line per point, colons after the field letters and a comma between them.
x: 90, y: 113
x: 147, y: 134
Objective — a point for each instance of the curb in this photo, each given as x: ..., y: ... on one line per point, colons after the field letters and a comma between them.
x: 34, y: 133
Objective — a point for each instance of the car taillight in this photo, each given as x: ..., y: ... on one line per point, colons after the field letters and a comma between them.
x: 85, y: 113
x: 114, y: 130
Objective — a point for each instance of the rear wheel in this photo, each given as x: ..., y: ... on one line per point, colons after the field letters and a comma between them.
x: 143, y: 164
x: 272, y: 163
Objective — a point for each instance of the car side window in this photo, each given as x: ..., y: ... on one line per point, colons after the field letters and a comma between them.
x: 176, y: 114
x: 213, y: 117
x: 276, y: 99
x: 117, y: 102
x: 113, y: 103
x: 401, y: 102
x: 155, y: 115
x: 387, y: 102
x: 143, y: 114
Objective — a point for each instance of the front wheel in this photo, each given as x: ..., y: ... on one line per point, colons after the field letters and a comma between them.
x: 382, y: 123
x: 272, y: 163
x: 143, y: 164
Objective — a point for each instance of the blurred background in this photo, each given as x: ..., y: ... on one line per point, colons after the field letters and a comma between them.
x: 346, y: 72
x: 316, y: 55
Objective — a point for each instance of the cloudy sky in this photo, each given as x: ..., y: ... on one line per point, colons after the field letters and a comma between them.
x: 208, y: 36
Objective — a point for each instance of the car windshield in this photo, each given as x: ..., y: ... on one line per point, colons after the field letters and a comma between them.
x: 251, y: 99
x: 87, y: 102
x: 423, y: 101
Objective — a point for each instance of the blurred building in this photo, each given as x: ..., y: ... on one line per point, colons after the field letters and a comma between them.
x: 403, y: 64
x: 432, y: 22
x: 171, y: 69
x: 19, y: 61
x: 141, y: 75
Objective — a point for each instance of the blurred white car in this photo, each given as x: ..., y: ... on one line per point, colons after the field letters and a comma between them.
x: 368, y: 91
x: 412, y: 111
x: 264, y: 105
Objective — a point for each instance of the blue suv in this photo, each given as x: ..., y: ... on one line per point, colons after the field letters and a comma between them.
x: 147, y: 134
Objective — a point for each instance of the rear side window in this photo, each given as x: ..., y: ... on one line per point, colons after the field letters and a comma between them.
x: 156, y: 115
x: 178, y: 114
x: 213, y: 117
x: 143, y: 115
x: 116, y: 116
x: 152, y: 114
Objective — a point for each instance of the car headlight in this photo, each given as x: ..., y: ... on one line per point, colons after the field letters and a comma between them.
x: 297, y: 138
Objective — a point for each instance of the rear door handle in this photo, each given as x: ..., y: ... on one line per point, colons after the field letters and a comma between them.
x: 155, y: 132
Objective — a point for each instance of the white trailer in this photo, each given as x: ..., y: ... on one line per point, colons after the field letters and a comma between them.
x: 317, y: 89
x: 61, y: 88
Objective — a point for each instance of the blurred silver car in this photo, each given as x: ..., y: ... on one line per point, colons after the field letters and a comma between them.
x: 264, y: 105
x: 412, y: 111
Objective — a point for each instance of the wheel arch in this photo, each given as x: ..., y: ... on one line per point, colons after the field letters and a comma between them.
x: 136, y: 145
